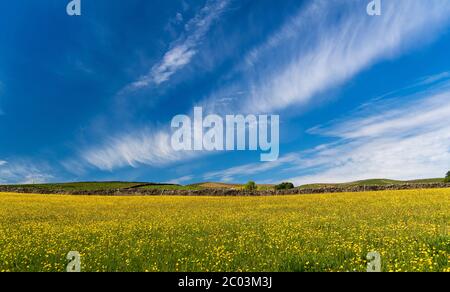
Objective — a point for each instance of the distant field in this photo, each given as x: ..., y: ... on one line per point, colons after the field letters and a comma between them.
x: 215, y: 185
x: 171, y: 187
x: 84, y: 186
x: 104, y: 186
x: 374, y: 182
x: 294, y: 233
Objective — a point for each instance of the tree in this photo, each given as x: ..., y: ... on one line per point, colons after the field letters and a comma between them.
x: 250, y: 186
x: 447, y: 178
x: 284, y: 186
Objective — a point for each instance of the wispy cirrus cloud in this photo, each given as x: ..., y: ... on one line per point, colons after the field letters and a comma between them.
x: 182, y: 50
x: 182, y: 179
x: 344, y: 49
x: 143, y: 147
x: 319, y: 48
x: 326, y: 44
x: 404, y: 137
x: 24, y: 171
x: 246, y: 170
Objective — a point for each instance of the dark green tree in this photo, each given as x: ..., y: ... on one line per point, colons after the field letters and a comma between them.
x: 250, y: 186
x: 284, y: 186
x: 447, y: 177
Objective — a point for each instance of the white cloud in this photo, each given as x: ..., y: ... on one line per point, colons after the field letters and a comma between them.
x: 310, y: 54
x: 24, y: 172
x: 143, y: 147
x: 181, y: 180
x: 74, y: 166
x: 423, y: 155
x: 422, y: 116
x: 348, y: 48
x: 409, y: 141
x: 433, y: 78
x: 232, y: 173
x: 328, y: 43
x: 179, y: 17
x: 185, y: 47
x: 407, y: 137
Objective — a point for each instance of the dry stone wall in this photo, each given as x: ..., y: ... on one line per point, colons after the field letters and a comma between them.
x: 221, y: 192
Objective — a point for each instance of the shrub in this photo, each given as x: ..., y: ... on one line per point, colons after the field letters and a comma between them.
x: 250, y: 186
x: 284, y: 186
x: 447, y: 178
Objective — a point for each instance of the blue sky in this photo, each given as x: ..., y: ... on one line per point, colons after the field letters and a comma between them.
x: 91, y: 97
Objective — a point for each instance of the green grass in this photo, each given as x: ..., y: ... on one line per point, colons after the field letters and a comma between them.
x: 171, y: 187
x: 214, y: 185
x: 83, y: 186
x: 373, y: 182
x: 431, y: 180
x: 103, y: 186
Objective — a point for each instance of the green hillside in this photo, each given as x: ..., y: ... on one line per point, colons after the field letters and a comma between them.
x: 104, y: 186
x: 374, y: 182
x: 85, y: 186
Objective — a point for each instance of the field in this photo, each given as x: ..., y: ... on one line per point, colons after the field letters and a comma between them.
x: 86, y: 187
x: 294, y: 233
x: 374, y: 182
x: 95, y: 186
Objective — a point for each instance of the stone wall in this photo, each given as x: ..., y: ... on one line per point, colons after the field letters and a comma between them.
x: 221, y: 192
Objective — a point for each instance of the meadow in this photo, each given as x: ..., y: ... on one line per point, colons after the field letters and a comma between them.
x: 331, y: 232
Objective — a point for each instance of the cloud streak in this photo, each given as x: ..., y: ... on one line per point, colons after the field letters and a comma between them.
x: 407, y: 138
x: 230, y: 174
x: 318, y: 49
x: 326, y: 44
x: 346, y: 48
x: 181, y: 180
x: 145, y: 147
x: 183, y: 50
x: 24, y: 172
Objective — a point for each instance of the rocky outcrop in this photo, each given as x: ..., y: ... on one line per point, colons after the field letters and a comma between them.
x: 221, y: 192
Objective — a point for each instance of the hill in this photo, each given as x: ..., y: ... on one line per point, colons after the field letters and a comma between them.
x: 117, y: 187
x: 373, y: 182
x: 216, y: 185
x: 97, y: 186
